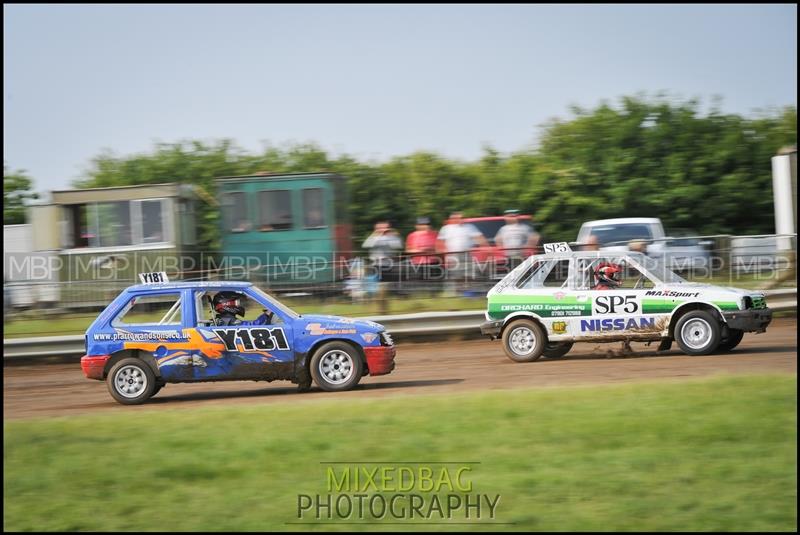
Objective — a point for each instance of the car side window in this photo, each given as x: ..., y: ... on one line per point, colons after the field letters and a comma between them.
x: 545, y: 274
x: 634, y: 279
x: 629, y: 277
x: 203, y: 309
x: 558, y: 274
x: 584, y: 273
x: 252, y: 308
x: 150, y: 310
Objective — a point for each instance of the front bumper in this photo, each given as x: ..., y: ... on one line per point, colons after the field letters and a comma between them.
x: 94, y: 365
x: 492, y: 328
x: 751, y: 320
x: 380, y: 359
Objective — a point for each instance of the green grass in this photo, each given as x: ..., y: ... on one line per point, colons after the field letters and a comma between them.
x: 28, y: 325
x: 712, y: 454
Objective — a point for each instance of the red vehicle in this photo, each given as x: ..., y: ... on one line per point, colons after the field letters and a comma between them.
x: 489, y: 226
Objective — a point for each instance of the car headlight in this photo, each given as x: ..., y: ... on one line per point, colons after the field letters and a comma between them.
x: 386, y: 339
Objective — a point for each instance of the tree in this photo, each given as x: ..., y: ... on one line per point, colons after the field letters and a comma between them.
x: 700, y: 172
x: 17, y: 190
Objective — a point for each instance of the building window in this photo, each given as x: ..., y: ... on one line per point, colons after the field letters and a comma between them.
x: 117, y: 224
x: 234, y: 206
x: 188, y: 222
x: 275, y: 210
x: 152, y: 222
x: 313, y: 208
x: 113, y: 224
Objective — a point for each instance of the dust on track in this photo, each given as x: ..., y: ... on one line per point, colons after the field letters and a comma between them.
x: 61, y: 389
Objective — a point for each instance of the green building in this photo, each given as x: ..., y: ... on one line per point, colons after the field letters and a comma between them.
x: 287, y: 229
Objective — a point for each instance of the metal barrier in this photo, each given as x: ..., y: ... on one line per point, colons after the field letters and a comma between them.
x: 402, y: 327
x: 762, y: 260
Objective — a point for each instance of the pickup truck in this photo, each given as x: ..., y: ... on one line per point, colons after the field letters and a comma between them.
x: 679, y: 253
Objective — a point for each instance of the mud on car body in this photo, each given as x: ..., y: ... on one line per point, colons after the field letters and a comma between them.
x: 155, y: 334
x: 551, y: 301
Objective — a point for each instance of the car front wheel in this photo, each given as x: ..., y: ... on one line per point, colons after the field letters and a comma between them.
x: 131, y: 381
x: 336, y: 366
x: 698, y: 333
x: 524, y: 340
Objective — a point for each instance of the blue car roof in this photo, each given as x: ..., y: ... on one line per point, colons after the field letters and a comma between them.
x: 180, y: 285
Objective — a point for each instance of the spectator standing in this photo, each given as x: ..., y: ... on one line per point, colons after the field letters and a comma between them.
x: 591, y: 244
x: 515, y: 238
x: 383, y: 245
x: 457, y: 239
x: 421, y: 244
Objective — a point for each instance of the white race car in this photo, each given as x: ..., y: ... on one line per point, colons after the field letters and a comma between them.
x: 552, y: 300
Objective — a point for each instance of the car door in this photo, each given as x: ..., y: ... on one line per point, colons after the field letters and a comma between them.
x: 243, y: 351
x: 619, y: 311
x: 154, y: 322
x: 544, y: 290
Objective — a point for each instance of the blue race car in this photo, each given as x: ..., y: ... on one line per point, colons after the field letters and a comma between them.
x: 161, y: 332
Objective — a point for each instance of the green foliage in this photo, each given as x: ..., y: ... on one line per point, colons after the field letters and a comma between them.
x: 17, y: 190
x: 707, y: 173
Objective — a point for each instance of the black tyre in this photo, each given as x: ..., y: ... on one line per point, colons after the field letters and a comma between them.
x: 336, y: 366
x: 732, y: 340
x: 157, y: 389
x: 131, y: 381
x: 556, y: 350
x: 698, y: 333
x: 524, y: 340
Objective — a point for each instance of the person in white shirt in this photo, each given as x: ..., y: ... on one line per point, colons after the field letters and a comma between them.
x: 457, y: 239
x: 515, y: 238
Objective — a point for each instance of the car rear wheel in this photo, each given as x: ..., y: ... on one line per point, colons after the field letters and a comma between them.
x: 698, y: 333
x: 131, y: 381
x: 524, y: 340
x: 732, y: 340
x: 556, y: 350
x: 336, y: 366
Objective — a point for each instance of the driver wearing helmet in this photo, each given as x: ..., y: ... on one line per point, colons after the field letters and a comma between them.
x: 228, y: 305
x: 607, y: 276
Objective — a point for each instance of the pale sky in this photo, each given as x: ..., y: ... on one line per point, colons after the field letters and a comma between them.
x: 372, y: 81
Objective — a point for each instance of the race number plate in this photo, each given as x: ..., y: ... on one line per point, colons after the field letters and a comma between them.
x: 559, y: 247
x: 158, y: 277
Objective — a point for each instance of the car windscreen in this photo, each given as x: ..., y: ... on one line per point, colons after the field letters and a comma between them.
x: 613, y: 234
x: 275, y: 303
x: 659, y: 269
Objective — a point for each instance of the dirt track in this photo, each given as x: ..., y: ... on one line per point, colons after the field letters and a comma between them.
x: 61, y: 389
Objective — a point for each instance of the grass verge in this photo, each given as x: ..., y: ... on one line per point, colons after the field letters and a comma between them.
x: 711, y: 454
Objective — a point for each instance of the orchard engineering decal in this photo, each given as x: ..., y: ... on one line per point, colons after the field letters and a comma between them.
x: 252, y: 340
